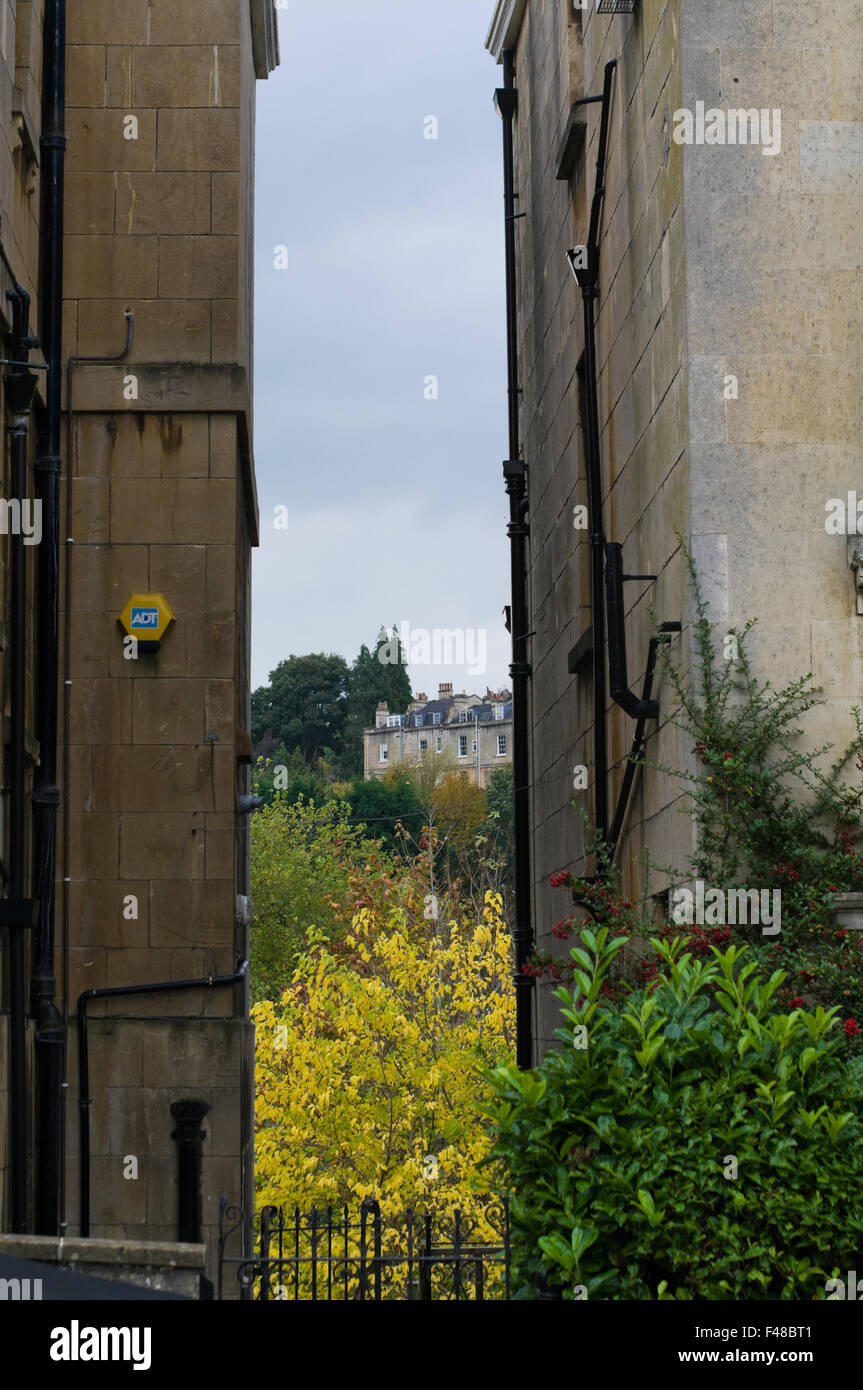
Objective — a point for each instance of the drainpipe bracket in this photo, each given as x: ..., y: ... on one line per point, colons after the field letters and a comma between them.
x: 46, y: 796
x: 48, y: 463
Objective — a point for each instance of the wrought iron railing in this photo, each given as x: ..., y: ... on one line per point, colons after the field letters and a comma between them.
x: 324, y: 1255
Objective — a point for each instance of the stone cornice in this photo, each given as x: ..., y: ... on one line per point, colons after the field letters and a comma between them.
x: 171, y: 388
x: 505, y: 26
x: 160, y: 386
x: 265, y: 37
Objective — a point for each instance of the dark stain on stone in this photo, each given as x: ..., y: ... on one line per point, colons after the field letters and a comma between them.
x: 171, y: 433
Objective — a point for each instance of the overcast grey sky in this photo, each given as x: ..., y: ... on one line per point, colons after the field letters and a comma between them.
x: 396, y: 504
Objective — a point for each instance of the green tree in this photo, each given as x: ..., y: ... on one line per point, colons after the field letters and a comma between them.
x: 371, y: 680
x: 304, y: 706
x: 382, y: 804
x: 288, y: 775
x: 498, y: 833
x: 303, y: 864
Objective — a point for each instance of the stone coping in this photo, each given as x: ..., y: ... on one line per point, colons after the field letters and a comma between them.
x: 148, y: 1253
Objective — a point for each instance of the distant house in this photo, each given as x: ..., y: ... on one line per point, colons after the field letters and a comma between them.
x: 475, y: 730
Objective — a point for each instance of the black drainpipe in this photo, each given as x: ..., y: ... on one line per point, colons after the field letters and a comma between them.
x: 120, y: 991
x: 189, y: 1138
x: 16, y: 912
x: 515, y: 475
x: 588, y: 282
x: 50, y: 1027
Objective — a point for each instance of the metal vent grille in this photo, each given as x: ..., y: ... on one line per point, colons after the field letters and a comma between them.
x: 615, y: 6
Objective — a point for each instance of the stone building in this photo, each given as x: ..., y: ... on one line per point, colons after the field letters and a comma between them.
x: 157, y: 498
x: 728, y: 277
x: 472, y: 731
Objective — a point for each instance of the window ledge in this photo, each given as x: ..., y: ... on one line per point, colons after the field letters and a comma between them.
x: 572, y: 143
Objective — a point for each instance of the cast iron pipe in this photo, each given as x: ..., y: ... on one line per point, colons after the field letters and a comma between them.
x: 515, y: 475
x: 19, y: 386
x: 50, y: 1027
x: 588, y: 282
x: 649, y: 709
x: 645, y: 708
x: 189, y: 1138
x: 119, y: 991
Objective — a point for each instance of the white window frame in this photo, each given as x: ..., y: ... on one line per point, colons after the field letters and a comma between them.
x: 498, y: 711
x: 385, y: 753
x: 436, y: 717
x: 394, y: 721
x: 424, y: 745
x: 501, y: 739
x: 462, y: 745
x: 439, y: 744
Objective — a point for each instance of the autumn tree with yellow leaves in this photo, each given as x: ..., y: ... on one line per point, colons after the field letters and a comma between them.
x: 370, y: 1069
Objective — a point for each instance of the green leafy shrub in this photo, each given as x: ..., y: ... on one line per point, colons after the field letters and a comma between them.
x: 617, y: 1148
x: 768, y: 812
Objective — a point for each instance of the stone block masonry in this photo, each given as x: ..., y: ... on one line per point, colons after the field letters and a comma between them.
x: 159, y: 473
x: 729, y: 403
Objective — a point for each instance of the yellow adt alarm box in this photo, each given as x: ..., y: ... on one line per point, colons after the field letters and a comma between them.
x: 147, y: 618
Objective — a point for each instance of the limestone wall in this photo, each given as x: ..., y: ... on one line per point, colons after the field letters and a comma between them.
x: 158, y: 222
x: 729, y: 391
